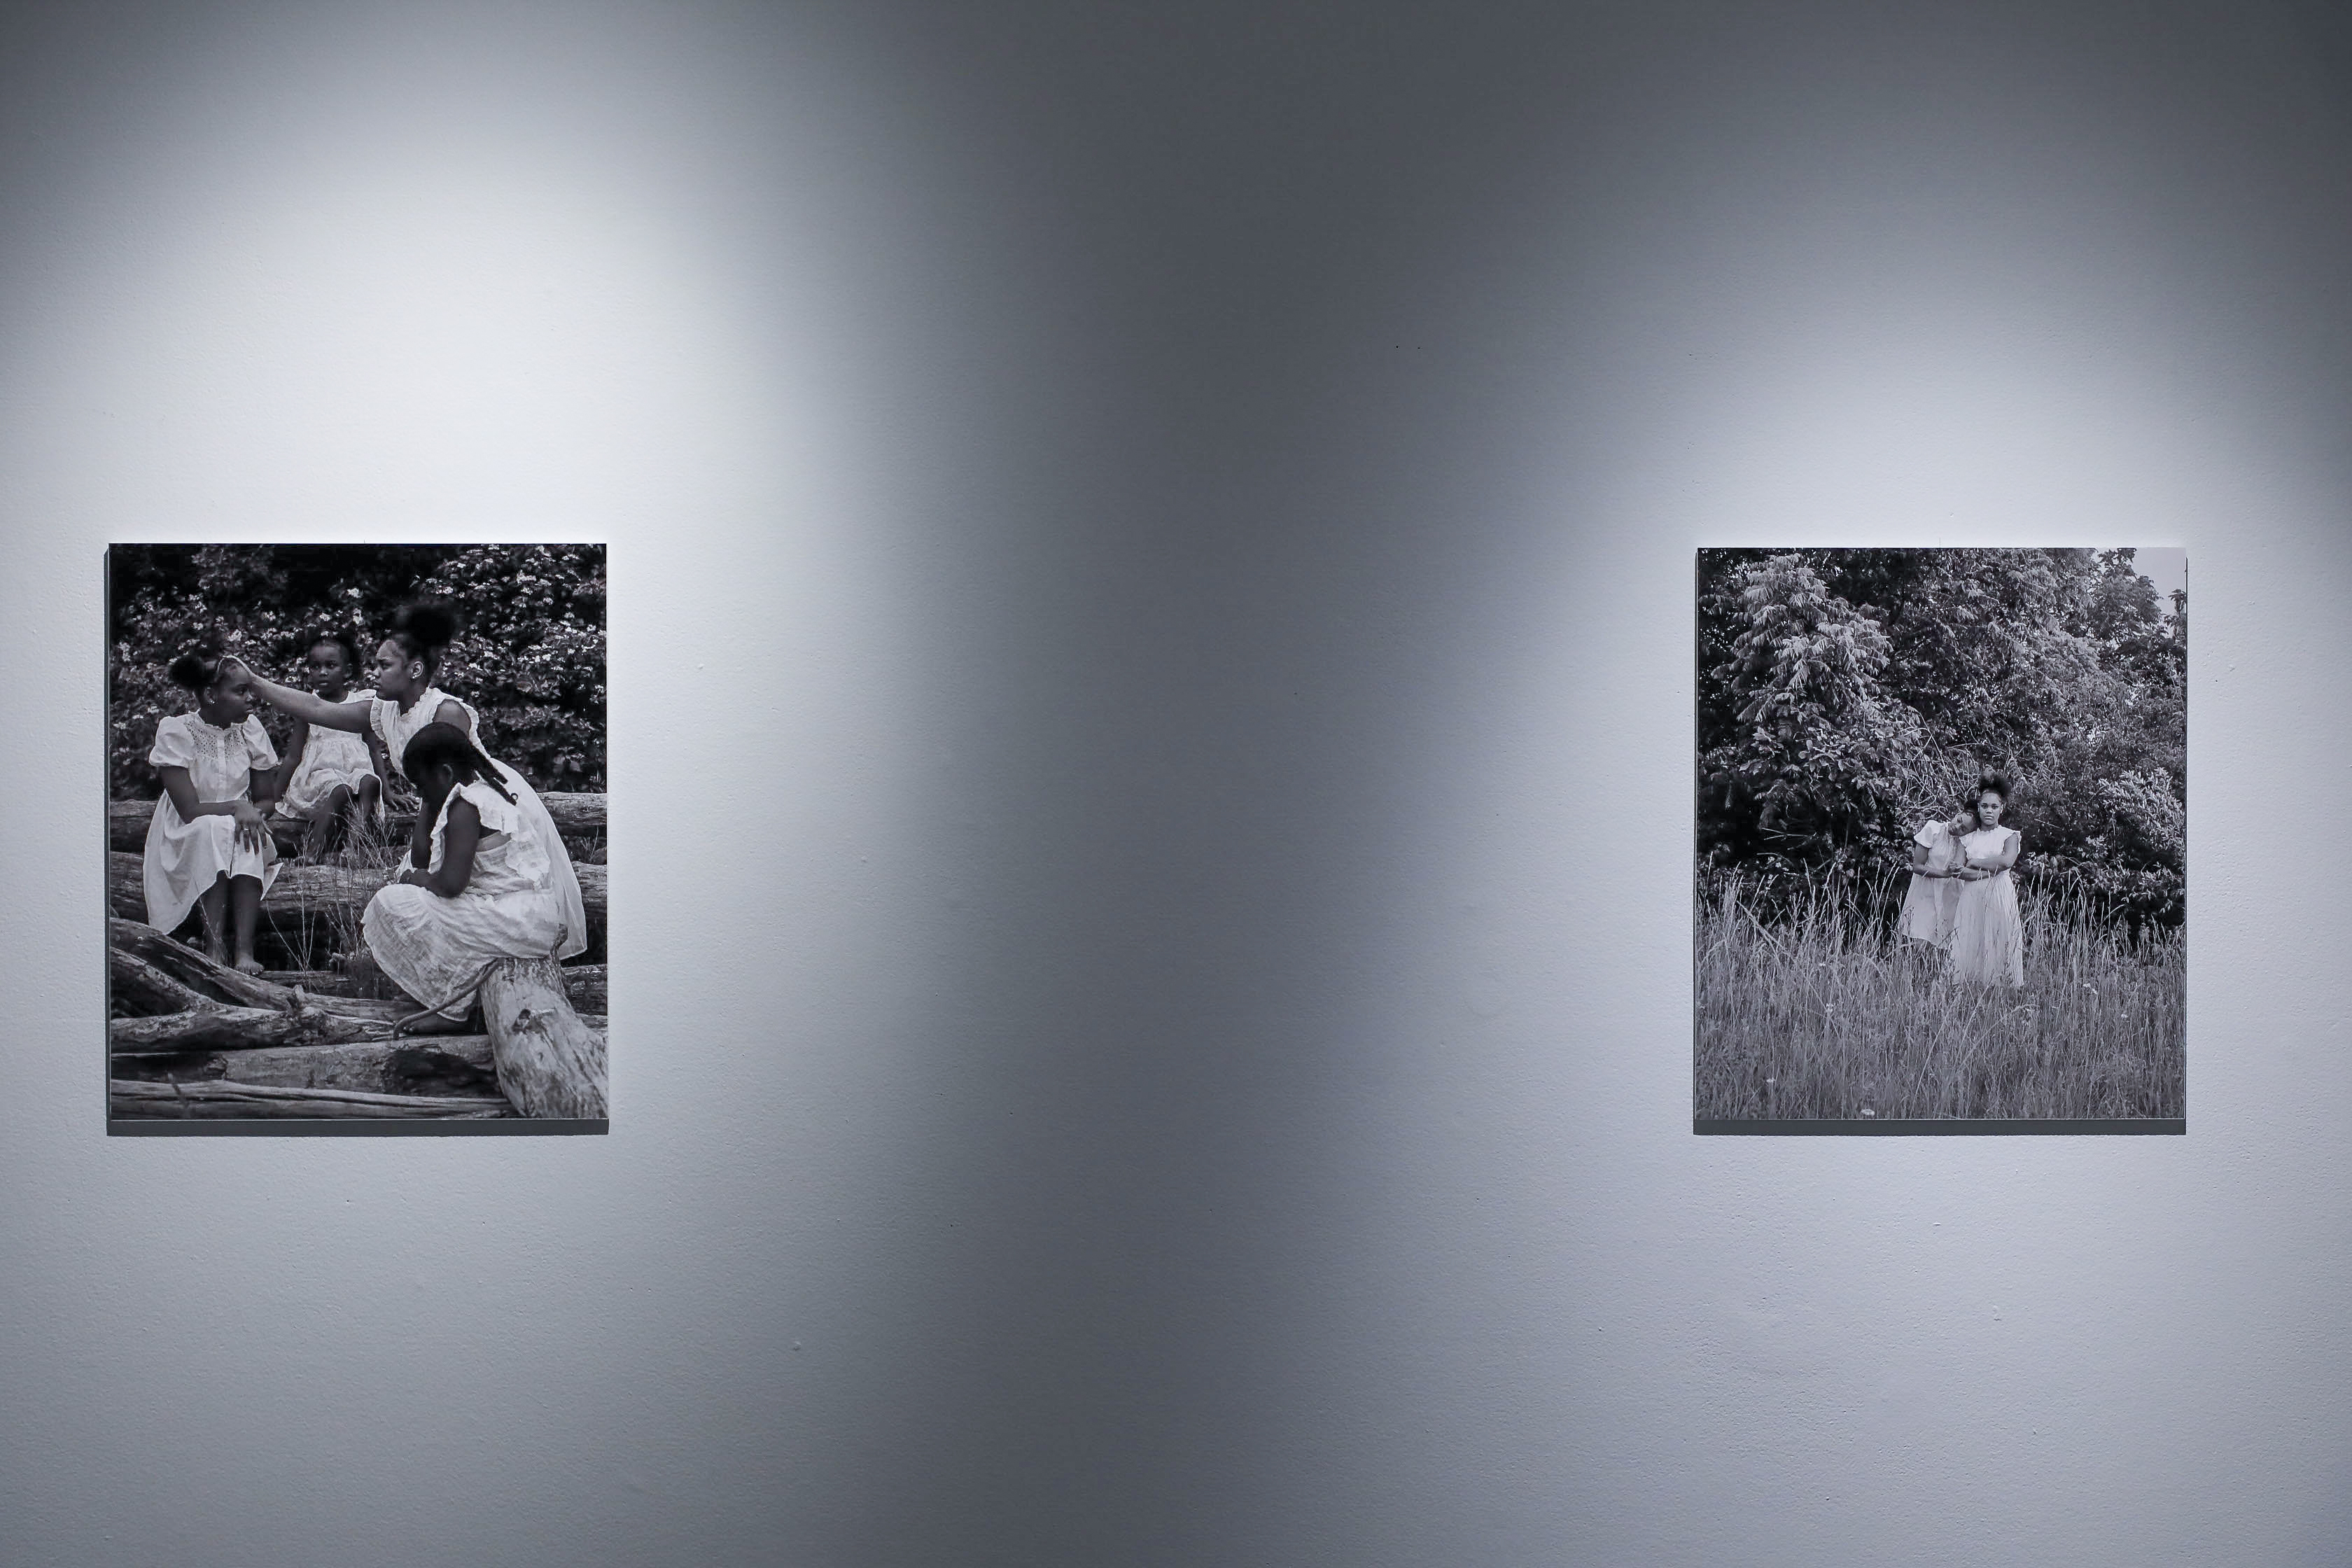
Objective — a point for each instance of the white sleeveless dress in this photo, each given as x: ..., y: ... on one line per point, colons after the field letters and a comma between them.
x: 522, y: 900
x: 330, y: 757
x: 1987, y: 934
x: 184, y: 858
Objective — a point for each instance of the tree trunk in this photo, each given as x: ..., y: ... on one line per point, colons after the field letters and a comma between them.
x: 238, y: 1028
x: 199, y: 973
x: 549, y: 1062
x: 139, y: 988
x: 439, y: 1065
x: 578, y: 817
x: 221, y: 1099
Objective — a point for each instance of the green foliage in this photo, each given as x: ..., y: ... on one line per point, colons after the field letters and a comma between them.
x: 530, y: 657
x: 1845, y: 695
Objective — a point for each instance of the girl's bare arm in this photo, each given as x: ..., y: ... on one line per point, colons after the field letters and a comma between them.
x: 459, y: 836
x: 284, y: 773
x: 2000, y: 860
x: 307, y: 706
x: 183, y: 791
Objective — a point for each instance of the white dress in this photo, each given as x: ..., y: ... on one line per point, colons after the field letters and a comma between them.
x: 530, y: 908
x: 1988, y: 936
x: 436, y: 948
x: 330, y: 757
x: 1929, y: 903
x: 185, y: 858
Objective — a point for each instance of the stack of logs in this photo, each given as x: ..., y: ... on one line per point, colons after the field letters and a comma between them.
x: 189, y: 1037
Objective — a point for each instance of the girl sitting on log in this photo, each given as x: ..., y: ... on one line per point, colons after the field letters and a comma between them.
x: 331, y: 780
x: 486, y: 888
x: 407, y: 703
x: 208, y: 845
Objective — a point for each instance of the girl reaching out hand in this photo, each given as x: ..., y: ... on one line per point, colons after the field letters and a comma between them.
x: 407, y: 703
x: 208, y: 845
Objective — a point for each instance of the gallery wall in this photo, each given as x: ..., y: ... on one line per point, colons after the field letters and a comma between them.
x: 1151, y: 676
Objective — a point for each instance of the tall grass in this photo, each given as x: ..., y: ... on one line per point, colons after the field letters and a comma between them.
x: 1820, y: 1013
x: 318, y: 934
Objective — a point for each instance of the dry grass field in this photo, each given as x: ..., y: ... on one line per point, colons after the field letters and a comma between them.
x: 1822, y: 1015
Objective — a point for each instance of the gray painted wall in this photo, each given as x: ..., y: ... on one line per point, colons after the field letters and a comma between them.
x: 1152, y: 683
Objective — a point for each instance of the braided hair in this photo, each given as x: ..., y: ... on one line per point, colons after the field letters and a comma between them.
x: 198, y: 669
x: 437, y: 744
x: 424, y: 630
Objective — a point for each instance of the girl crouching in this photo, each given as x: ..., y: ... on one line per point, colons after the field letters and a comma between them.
x: 490, y: 886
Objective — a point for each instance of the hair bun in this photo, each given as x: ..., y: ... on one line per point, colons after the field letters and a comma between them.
x: 200, y: 666
x: 431, y: 622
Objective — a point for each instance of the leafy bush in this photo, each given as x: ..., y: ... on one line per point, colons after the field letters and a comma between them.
x: 1845, y: 695
x: 531, y: 657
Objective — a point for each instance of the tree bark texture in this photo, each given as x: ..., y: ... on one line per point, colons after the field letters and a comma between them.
x: 441, y: 1064
x: 550, y: 1063
x: 221, y: 1099
x: 235, y: 1029
x: 180, y: 963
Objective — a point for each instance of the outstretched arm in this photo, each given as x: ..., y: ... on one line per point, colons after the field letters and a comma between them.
x: 307, y: 706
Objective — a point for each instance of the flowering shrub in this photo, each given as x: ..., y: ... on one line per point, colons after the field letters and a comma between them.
x: 530, y: 656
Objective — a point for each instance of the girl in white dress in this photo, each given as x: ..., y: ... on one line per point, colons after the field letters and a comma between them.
x: 487, y: 889
x: 331, y: 780
x: 1987, y: 934
x: 208, y: 845
x: 1928, y: 902
x: 406, y: 700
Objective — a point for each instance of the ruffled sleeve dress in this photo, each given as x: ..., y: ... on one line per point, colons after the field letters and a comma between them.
x: 330, y: 758
x: 1929, y: 901
x: 184, y: 858
x: 521, y: 900
x: 1987, y: 934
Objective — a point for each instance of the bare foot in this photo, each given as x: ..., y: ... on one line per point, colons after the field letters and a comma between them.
x: 248, y: 965
x: 428, y: 1024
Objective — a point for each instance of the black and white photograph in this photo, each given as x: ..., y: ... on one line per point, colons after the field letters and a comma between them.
x: 1941, y: 839
x: 355, y: 830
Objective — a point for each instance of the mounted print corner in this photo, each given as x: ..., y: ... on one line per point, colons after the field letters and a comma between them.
x: 1941, y: 879
x: 356, y: 838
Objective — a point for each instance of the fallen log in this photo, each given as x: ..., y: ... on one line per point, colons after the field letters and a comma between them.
x: 583, y: 984
x: 142, y: 989
x: 336, y: 893
x: 579, y: 817
x: 550, y: 1063
x: 221, y: 1099
x: 441, y: 1064
x: 184, y: 964
x: 238, y: 1028
x: 325, y: 983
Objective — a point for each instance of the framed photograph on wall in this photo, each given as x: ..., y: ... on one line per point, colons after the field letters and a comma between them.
x: 1941, y: 879
x: 355, y: 825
